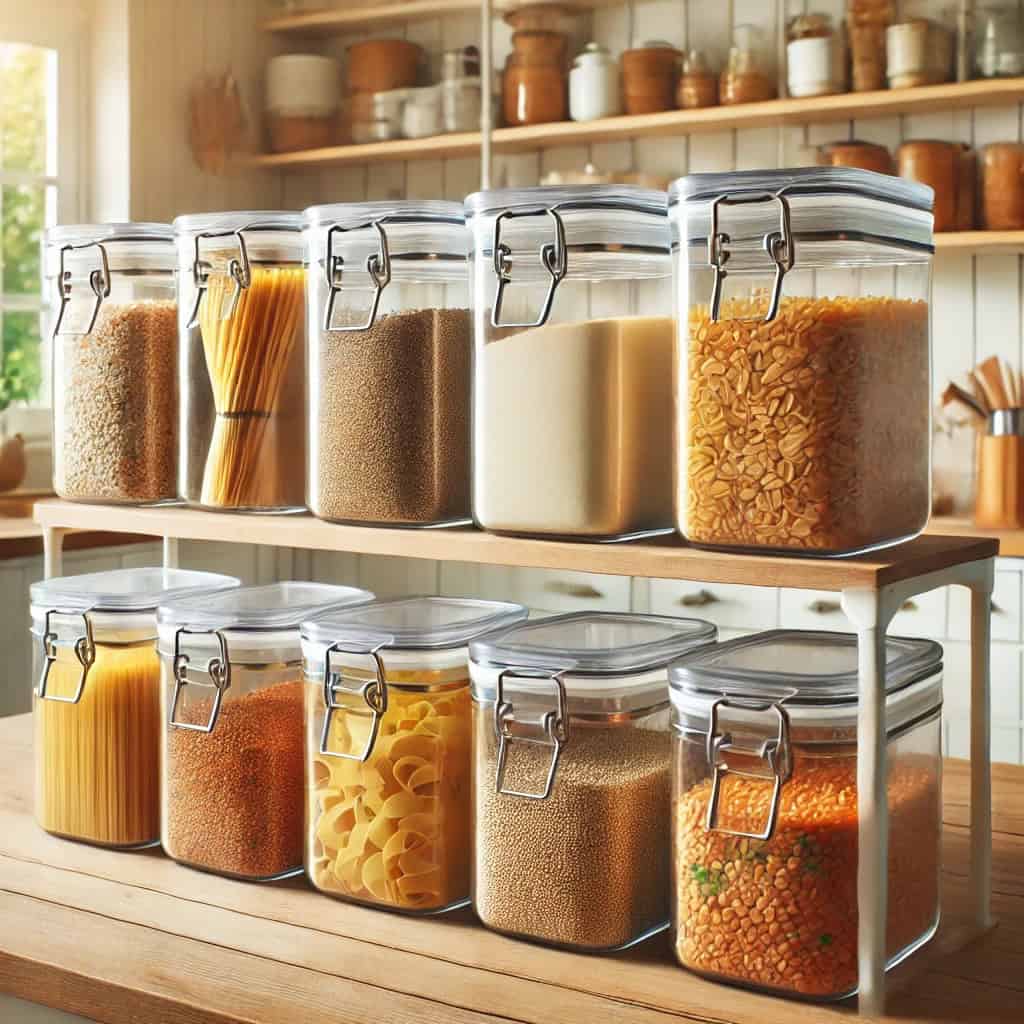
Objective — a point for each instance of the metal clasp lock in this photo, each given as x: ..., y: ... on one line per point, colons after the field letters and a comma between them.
x: 373, y: 692
x: 378, y: 266
x: 99, y: 282
x: 239, y: 270
x: 218, y: 668
x: 553, y: 257
x: 774, y: 752
x: 85, y: 651
x: 552, y: 730
x: 779, y: 246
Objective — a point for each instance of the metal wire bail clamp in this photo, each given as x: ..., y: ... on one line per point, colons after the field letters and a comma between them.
x: 378, y: 266
x: 553, y: 257
x: 85, y: 651
x: 239, y: 270
x: 373, y: 691
x: 99, y: 282
x: 554, y: 726
x: 779, y: 245
x: 218, y: 668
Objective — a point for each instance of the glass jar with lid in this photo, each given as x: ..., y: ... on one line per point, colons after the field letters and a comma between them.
x: 115, y: 362
x: 573, y: 336
x: 765, y: 815
x: 804, y: 391
x: 747, y: 76
x: 388, y: 750
x: 390, y: 356
x: 698, y: 84
x: 571, y: 776
x: 96, y: 701
x: 242, y: 291
x: 231, y: 697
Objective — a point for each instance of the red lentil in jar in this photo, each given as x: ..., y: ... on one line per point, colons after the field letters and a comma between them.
x: 765, y: 883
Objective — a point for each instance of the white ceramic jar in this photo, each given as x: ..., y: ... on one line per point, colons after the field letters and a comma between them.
x: 594, y: 85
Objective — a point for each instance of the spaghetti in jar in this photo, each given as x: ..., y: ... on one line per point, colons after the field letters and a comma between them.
x: 765, y: 809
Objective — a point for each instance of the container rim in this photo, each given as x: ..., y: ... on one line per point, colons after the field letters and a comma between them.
x: 111, y: 231
x: 624, y: 197
x: 238, y: 220
x: 412, y: 211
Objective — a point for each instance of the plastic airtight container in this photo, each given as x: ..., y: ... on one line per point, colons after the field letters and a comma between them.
x: 390, y: 356
x: 388, y: 750
x: 572, y: 382
x: 96, y: 701
x: 803, y: 378
x: 231, y: 699
x: 114, y: 324
x: 571, y: 776
x: 764, y: 808
x: 242, y: 293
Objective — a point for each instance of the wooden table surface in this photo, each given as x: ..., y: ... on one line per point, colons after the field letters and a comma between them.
x: 136, y: 938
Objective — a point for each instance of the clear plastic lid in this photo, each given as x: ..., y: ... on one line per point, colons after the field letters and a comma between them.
x: 606, y: 660
x: 84, y: 248
x: 272, y: 236
x: 813, y: 674
x: 834, y: 216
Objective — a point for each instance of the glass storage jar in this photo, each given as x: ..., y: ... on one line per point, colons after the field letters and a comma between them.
x: 390, y: 356
x: 698, y: 84
x: 96, y: 701
x: 571, y: 776
x: 241, y: 285
x: 232, y: 762
x: 572, y: 393
x: 388, y: 750
x: 747, y: 76
x: 803, y: 385
x: 764, y: 808
x: 115, y: 362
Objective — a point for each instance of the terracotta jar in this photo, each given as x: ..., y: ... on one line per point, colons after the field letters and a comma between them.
x: 698, y: 86
x: 865, y: 155
x: 1002, y: 189
x: 535, y: 80
x: 378, y: 65
x: 951, y: 170
x: 649, y: 77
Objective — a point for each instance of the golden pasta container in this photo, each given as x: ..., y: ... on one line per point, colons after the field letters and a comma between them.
x: 242, y: 295
x: 571, y: 776
x: 803, y: 391
x: 96, y: 701
x: 388, y: 750
x: 231, y: 736
x: 765, y: 808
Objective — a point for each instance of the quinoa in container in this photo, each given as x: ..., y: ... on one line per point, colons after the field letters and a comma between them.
x: 765, y: 809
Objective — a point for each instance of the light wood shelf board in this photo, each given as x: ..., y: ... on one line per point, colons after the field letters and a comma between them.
x: 842, y: 107
x: 193, y: 948
x: 989, y: 241
x: 663, y: 558
x: 1011, y: 542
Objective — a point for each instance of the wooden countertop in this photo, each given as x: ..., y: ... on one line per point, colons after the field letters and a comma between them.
x: 1011, y: 542
x: 134, y: 937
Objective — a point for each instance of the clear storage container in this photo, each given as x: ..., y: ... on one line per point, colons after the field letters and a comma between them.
x: 388, y: 750
x: 96, y: 701
x: 571, y: 776
x: 115, y: 362
x: 389, y: 363
x: 232, y: 762
x: 241, y: 286
x: 764, y: 809
x: 803, y: 413
x: 572, y: 379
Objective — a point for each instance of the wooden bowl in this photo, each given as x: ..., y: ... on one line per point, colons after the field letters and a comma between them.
x: 378, y: 65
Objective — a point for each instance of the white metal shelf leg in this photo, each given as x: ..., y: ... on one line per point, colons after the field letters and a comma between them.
x: 980, y: 878
x: 170, y: 552
x: 867, y: 610
x: 53, y: 551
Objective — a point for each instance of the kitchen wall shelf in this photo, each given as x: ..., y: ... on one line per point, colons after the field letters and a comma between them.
x: 844, y: 107
x: 1011, y: 542
x: 128, y: 937
x: 981, y: 241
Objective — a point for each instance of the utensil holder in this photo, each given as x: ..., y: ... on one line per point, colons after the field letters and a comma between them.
x: 1000, y: 498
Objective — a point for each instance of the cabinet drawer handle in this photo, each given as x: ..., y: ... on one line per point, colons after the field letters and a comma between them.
x: 909, y: 606
x: 573, y: 589
x: 995, y: 609
x: 699, y: 600
x: 825, y: 607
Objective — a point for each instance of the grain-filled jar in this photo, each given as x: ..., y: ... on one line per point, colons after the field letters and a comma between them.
x: 390, y: 362
x: 231, y: 786
x: 572, y: 378
x: 1002, y: 186
x: 698, y: 84
x: 241, y: 286
x: 765, y: 816
x: 115, y: 362
x: 388, y: 737
x: 747, y: 75
x: 96, y: 701
x: 950, y: 169
x: 804, y: 380
x: 571, y: 776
